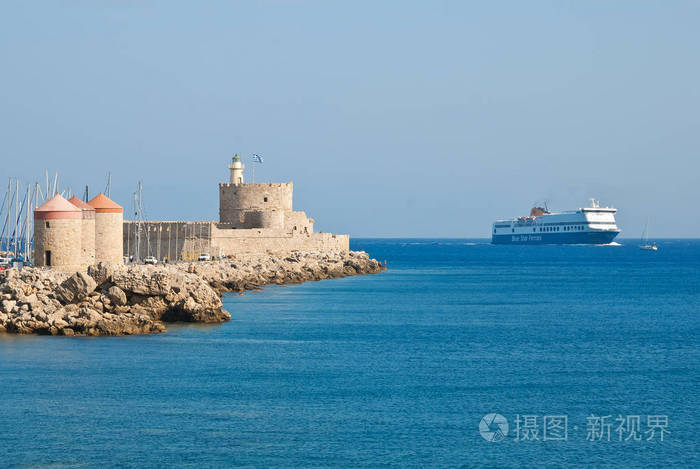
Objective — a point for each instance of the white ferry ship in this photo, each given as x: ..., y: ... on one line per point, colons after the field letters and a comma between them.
x: 590, y: 225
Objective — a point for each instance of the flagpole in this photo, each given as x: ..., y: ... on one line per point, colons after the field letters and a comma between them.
x: 256, y: 159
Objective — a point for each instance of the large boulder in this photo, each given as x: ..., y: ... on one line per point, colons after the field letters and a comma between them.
x: 116, y: 295
x: 31, y: 300
x: 102, y: 272
x: 75, y: 288
x: 142, y: 280
x: 191, y: 299
x: 7, y: 305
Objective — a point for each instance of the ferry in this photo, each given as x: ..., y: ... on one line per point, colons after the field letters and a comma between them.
x: 590, y: 225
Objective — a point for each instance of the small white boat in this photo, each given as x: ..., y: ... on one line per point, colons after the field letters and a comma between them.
x: 645, y: 240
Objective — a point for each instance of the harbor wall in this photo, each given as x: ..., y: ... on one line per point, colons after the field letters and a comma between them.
x: 180, y: 240
x: 232, y: 242
x: 298, y: 222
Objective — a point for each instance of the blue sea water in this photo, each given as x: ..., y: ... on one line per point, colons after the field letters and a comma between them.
x: 395, y: 369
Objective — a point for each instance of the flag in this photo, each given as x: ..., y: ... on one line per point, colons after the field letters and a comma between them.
x: 257, y: 158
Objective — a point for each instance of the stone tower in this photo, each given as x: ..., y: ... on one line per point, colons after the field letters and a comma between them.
x: 87, y: 232
x: 236, y: 168
x: 248, y: 206
x: 57, y: 233
x: 109, y: 221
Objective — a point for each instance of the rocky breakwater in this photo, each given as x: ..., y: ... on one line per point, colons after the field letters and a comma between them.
x: 107, y: 300
x: 138, y: 299
x: 249, y: 272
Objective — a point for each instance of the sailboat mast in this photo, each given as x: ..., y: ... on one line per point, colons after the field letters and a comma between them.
x: 7, y: 222
x: 26, y: 224
x: 645, y: 233
x: 17, y: 207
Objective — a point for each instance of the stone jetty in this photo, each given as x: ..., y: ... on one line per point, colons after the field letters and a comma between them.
x: 112, y: 299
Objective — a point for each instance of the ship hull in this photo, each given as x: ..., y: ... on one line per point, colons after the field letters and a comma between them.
x: 586, y: 237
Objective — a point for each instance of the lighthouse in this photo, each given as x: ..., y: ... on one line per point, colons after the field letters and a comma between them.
x: 236, y: 168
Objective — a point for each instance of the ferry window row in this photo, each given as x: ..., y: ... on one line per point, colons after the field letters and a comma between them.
x: 559, y: 228
x: 549, y: 229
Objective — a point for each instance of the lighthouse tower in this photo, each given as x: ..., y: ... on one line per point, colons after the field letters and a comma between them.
x: 236, y: 168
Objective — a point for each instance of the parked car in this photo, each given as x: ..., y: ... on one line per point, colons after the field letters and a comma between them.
x: 150, y: 260
x: 5, y: 263
x: 204, y: 257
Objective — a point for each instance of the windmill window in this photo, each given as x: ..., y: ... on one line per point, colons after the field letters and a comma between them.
x: 265, y: 199
x: 48, y: 225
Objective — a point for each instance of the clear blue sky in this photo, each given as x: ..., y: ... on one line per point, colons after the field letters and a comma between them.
x: 392, y: 118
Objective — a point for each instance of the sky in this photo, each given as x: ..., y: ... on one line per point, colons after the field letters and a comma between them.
x: 393, y: 119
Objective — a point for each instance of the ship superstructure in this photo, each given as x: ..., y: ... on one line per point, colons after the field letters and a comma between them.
x: 589, y: 225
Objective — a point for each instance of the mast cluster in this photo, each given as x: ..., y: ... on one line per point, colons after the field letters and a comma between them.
x: 16, y: 212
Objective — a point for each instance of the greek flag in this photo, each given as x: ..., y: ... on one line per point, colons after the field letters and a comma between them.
x: 257, y: 158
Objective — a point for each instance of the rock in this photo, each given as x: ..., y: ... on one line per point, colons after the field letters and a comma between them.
x: 30, y: 300
x: 56, y: 320
x: 116, y: 295
x: 8, y: 305
x: 102, y: 272
x: 142, y: 280
x: 75, y: 288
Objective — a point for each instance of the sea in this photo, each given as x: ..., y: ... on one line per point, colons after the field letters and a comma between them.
x: 461, y: 354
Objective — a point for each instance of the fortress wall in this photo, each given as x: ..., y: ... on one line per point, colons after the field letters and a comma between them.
x: 174, y: 240
x: 249, y: 219
x: 186, y: 240
x: 272, y: 219
x: 298, y: 220
x: 233, y: 241
x: 234, y: 199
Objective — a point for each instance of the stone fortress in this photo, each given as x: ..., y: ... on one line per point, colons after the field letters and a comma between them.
x: 254, y: 218
x: 71, y: 235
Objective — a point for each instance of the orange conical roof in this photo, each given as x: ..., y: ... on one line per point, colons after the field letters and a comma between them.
x: 80, y: 204
x: 103, y: 204
x: 57, y: 207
